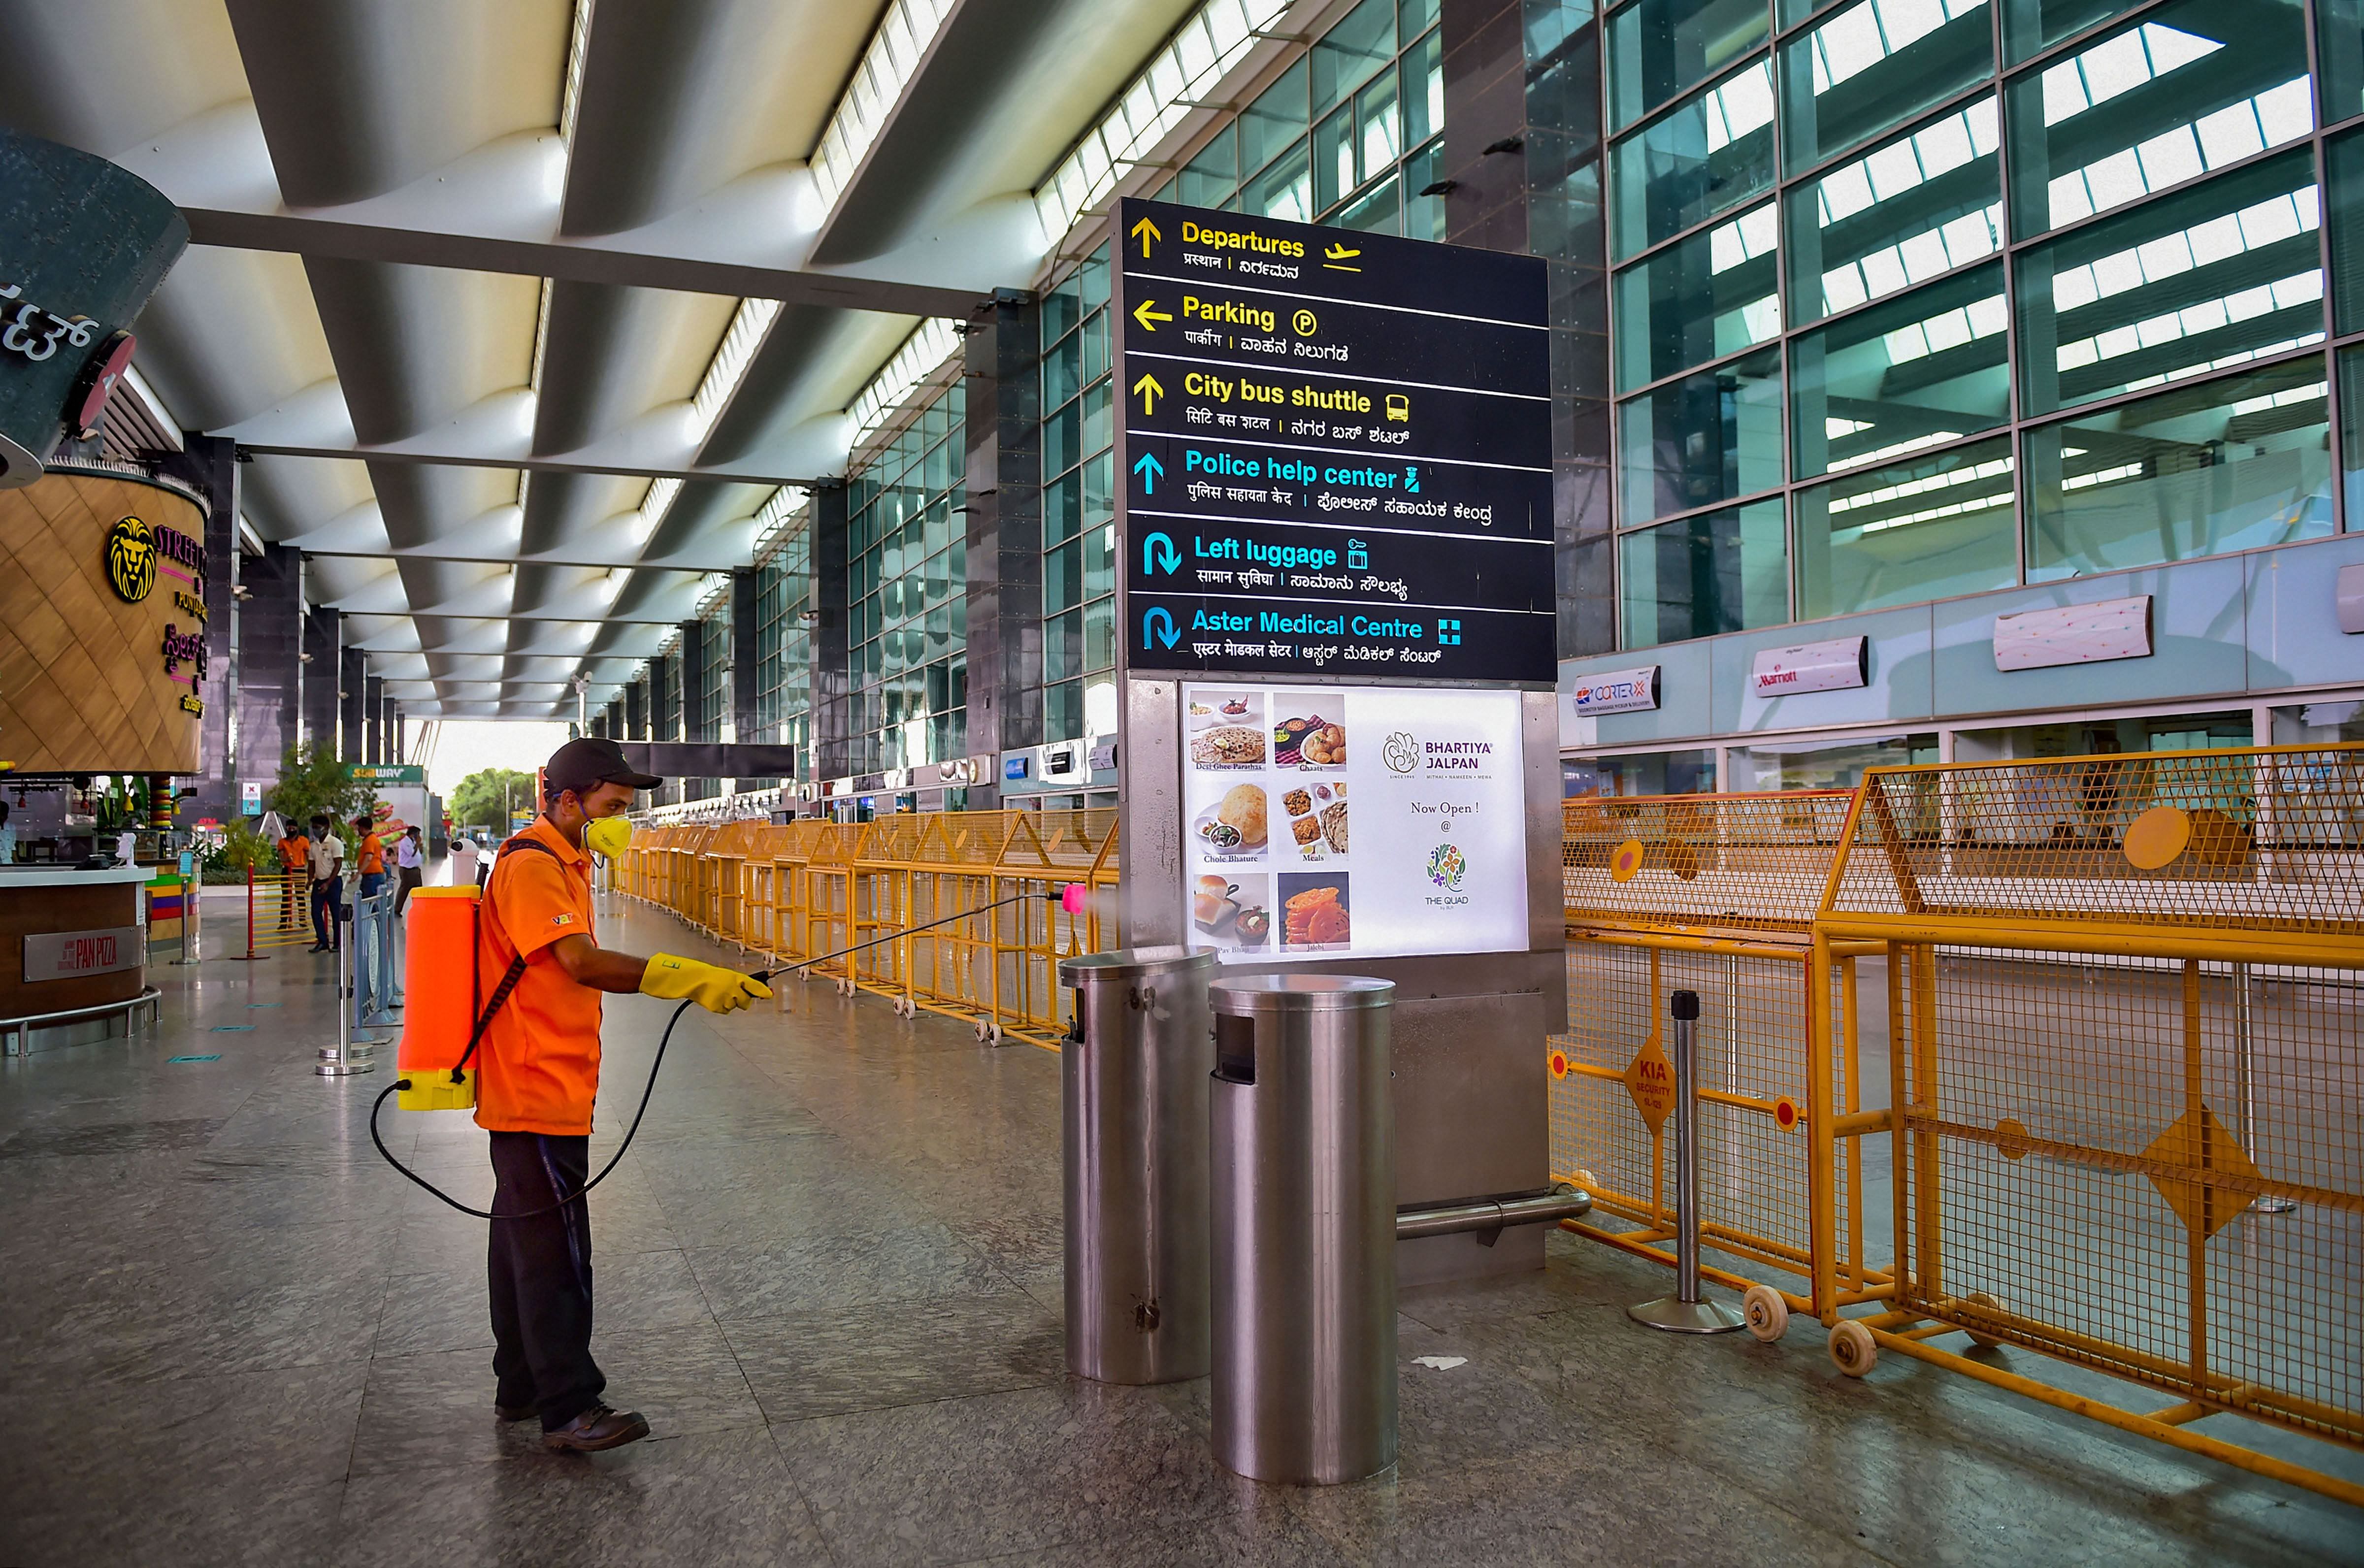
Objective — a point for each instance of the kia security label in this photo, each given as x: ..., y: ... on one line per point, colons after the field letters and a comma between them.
x: 1334, y: 452
x: 1358, y: 821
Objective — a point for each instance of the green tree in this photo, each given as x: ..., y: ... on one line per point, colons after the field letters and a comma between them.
x: 479, y: 801
x: 313, y: 780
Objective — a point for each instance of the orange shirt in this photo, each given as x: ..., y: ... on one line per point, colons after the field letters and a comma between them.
x: 538, y: 1065
x: 295, y: 854
x: 373, y: 854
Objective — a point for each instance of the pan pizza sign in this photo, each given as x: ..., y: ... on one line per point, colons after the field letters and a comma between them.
x: 70, y: 955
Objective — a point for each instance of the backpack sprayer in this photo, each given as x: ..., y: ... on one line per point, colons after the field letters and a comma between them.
x: 442, y: 942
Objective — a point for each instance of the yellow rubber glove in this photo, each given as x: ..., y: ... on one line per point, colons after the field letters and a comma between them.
x: 716, y: 989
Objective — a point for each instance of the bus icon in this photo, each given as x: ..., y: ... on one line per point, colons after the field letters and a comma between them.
x: 1399, y: 409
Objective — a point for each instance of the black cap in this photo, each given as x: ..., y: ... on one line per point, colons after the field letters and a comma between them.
x: 1684, y: 1005
x: 584, y: 765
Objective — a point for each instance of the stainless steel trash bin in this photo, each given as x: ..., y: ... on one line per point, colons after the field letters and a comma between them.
x: 1304, y: 1263
x: 1133, y: 1096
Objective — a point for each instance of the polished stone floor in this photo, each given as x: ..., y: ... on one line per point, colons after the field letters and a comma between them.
x: 829, y: 1274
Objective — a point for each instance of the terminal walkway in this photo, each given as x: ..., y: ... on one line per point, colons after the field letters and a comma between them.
x: 829, y: 1274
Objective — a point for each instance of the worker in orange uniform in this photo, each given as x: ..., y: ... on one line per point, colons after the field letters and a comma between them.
x: 371, y: 859
x: 295, y: 860
x: 540, y: 1074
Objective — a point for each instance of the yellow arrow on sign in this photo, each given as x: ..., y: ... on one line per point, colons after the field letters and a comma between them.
x: 1146, y: 231
x: 1148, y: 314
x: 1150, y: 392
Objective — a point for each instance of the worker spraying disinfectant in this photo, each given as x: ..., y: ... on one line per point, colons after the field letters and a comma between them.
x: 530, y: 1067
x: 526, y: 1058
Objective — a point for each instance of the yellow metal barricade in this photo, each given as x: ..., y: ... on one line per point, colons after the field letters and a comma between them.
x: 799, y: 891
x: 2126, y: 997
x: 1715, y: 894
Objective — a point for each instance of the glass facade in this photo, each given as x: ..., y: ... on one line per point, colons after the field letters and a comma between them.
x: 1348, y: 135
x: 907, y: 594
x: 1920, y: 299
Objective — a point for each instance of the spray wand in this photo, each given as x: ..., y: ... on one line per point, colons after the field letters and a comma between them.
x: 1074, y: 898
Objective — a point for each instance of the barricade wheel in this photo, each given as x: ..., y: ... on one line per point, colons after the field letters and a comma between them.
x: 983, y: 1030
x: 1853, y: 1350
x: 1980, y: 1298
x: 1768, y: 1314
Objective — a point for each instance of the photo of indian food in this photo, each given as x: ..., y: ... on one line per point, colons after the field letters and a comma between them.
x: 1228, y: 746
x: 1314, y: 911
x: 1307, y: 738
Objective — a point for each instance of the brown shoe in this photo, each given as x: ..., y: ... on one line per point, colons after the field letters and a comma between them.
x: 598, y: 1428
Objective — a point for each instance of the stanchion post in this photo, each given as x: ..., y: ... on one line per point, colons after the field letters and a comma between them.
x: 2266, y: 1203
x: 1686, y: 1311
x: 348, y: 1056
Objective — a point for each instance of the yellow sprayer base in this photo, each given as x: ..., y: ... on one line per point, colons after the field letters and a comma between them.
x: 431, y: 1089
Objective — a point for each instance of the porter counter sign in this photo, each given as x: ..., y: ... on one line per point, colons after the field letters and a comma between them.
x: 1335, y: 453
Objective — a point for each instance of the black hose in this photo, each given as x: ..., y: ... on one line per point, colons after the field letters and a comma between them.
x: 400, y: 1083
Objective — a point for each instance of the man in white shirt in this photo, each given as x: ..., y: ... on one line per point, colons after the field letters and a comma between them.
x: 327, y: 868
x: 463, y: 861
x: 410, y: 867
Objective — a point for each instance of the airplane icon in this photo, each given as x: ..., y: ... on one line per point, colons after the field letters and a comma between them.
x: 1339, y: 253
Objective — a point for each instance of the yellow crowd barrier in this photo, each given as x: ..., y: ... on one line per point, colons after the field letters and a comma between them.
x: 1716, y: 894
x: 2125, y: 1008
x: 799, y: 891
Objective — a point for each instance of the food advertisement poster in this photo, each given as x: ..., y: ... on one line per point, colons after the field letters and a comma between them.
x: 1351, y: 821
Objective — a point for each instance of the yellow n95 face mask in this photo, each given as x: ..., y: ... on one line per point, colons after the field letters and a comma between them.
x: 608, y: 836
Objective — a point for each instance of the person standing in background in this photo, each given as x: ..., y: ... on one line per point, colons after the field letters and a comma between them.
x: 294, y: 870
x: 410, y: 867
x: 127, y: 848
x: 7, y: 836
x: 327, y: 869
x: 370, y: 859
x: 463, y: 861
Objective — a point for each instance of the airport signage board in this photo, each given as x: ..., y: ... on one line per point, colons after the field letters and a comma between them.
x: 1333, y: 453
x: 1351, y: 821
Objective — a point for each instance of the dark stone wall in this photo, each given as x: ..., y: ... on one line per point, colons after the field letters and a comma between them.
x: 270, y: 684
x: 322, y: 635
x: 832, y: 717
x: 352, y: 692
x: 1005, y: 529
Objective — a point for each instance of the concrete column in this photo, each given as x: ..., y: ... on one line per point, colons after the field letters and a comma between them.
x: 1005, y: 529
x: 1541, y: 194
x: 401, y: 744
x: 636, y: 709
x: 374, y: 720
x: 352, y: 691
x: 693, y: 682
x: 745, y: 665
x: 322, y: 628
x: 833, y: 717
x: 270, y: 686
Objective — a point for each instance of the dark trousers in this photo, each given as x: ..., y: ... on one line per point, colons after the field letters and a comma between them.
x: 406, y: 879
x: 541, y: 1274
x: 373, y: 884
x: 328, y: 898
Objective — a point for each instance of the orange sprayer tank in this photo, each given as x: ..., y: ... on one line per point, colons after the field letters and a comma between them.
x: 440, y: 998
